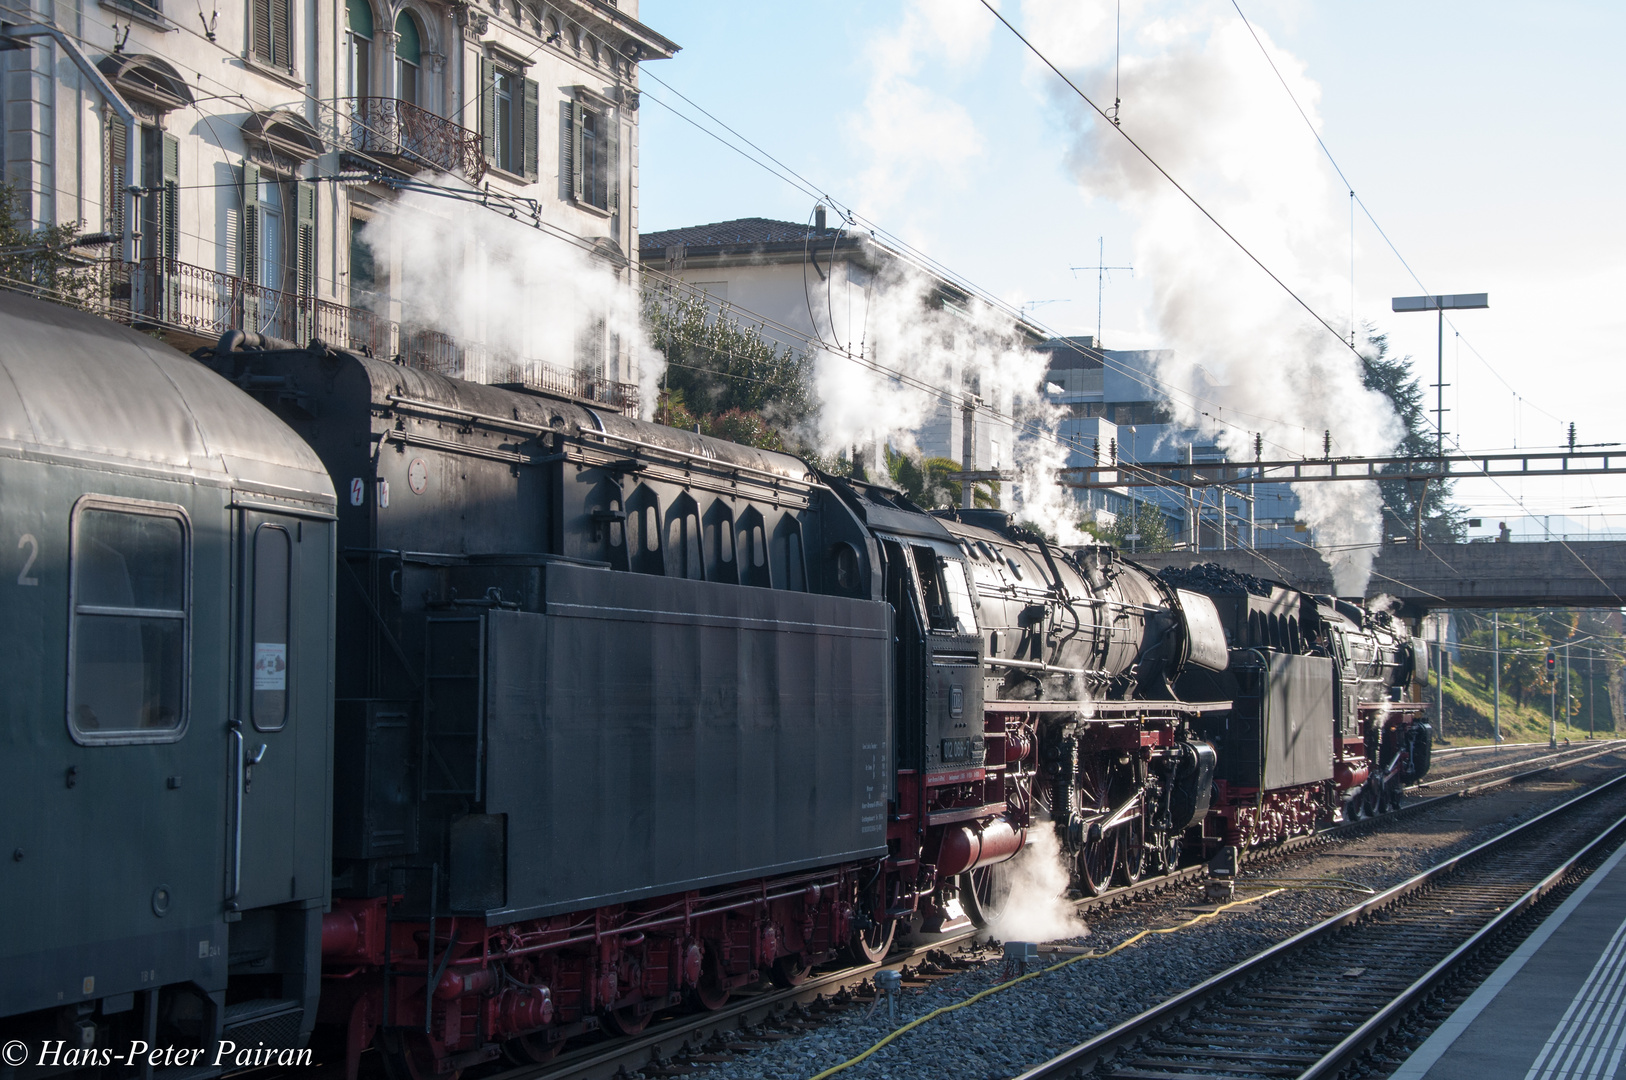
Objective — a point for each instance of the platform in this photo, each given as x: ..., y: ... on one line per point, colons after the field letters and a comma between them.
x: 1555, y: 1009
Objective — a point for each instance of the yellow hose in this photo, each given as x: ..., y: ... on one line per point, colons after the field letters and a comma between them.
x: 1034, y: 975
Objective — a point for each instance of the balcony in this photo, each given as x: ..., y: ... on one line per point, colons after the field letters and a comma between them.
x: 404, y: 134
x: 193, y: 305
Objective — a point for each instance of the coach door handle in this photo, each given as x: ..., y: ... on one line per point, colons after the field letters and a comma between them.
x: 239, y: 754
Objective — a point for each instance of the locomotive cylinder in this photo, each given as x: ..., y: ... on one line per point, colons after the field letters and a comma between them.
x: 969, y: 847
x: 1346, y: 776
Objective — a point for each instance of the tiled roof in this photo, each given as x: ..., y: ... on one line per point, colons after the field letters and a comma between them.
x: 742, y: 232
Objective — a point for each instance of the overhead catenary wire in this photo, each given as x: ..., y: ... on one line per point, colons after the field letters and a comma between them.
x: 1166, y: 175
x: 1370, y: 217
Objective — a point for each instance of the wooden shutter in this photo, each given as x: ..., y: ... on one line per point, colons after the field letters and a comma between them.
x: 567, y: 156
x: 281, y: 32
x: 250, y: 246
x: 259, y: 20
x: 488, y: 110
x: 529, y: 130
x: 576, y: 150
x: 117, y: 200
x: 305, y: 275
x: 169, y: 209
x: 612, y: 165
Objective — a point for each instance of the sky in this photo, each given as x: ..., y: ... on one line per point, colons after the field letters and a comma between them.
x: 1484, y: 138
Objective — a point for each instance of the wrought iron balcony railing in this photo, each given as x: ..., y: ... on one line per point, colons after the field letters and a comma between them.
x: 390, y: 128
x: 203, y: 304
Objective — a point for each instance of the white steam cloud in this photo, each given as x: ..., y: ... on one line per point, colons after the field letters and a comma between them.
x: 1242, y: 356
x: 933, y: 347
x: 510, y: 296
x: 1038, y: 909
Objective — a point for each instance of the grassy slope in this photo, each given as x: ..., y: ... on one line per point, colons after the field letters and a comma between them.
x: 1468, y: 713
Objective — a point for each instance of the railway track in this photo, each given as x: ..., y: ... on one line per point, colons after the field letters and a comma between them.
x: 1311, y: 1006
x: 753, y: 1020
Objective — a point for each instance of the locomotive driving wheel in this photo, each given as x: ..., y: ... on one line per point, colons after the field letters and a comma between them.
x: 1098, y: 853
x: 1132, y: 851
x: 985, y: 891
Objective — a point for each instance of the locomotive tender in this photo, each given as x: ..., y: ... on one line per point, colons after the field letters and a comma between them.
x: 552, y: 719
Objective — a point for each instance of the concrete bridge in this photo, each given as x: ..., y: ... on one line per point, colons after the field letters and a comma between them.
x: 1490, y: 575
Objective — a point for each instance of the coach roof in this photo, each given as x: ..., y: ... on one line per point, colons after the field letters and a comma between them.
x: 80, y: 386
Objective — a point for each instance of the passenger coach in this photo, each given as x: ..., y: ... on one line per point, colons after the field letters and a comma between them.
x: 165, y: 719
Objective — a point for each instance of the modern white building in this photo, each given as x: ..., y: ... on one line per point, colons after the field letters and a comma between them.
x: 1114, y: 411
x: 236, y: 150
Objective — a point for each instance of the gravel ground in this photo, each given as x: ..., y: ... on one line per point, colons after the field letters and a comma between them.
x: 1017, y: 1028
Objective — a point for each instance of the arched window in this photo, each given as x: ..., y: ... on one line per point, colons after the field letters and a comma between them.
x: 408, y: 58
x: 358, y: 39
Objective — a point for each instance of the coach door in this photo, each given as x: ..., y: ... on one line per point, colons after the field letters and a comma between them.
x: 279, y: 703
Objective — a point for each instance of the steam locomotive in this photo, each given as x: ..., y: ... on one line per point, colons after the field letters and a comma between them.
x: 468, y: 719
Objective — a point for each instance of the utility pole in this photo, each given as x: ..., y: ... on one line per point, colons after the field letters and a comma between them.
x: 1191, y: 507
x: 1496, y: 674
x: 1591, y: 698
x: 1566, y: 690
x: 968, y: 451
x: 1552, y: 704
x: 1439, y: 671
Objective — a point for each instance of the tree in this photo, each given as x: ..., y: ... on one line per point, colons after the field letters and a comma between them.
x: 926, y: 482
x: 1147, y: 524
x: 725, y: 375
x: 42, y: 262
x: 1443, y: 520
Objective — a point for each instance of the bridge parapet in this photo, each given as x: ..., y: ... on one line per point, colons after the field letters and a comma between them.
x: 1546, y: 574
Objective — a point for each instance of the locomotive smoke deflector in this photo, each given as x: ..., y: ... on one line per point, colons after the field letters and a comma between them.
x: 1205, y: 638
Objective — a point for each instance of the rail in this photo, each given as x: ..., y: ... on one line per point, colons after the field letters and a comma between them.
x: 1133, y: 1032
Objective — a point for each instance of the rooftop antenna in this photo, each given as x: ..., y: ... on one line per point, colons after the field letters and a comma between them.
x: 1101, y: 271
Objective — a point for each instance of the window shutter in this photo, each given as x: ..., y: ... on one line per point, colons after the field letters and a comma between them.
x: 117, y: 172
x: 281, y: 23
x: 530, y: 123
x: 169, y: 213
x: 612, y: 130
x: 567, y: 155
x: 305, y: 278
x: 251, y: 222
x: 576, y: 150
x: 259, y: 22
x: 488, y: 110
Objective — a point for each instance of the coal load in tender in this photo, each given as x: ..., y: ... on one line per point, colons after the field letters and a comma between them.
x: 1213, y: 578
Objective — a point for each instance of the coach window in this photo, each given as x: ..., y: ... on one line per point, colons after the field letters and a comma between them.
x: 273, y: 555
x: 127, y: 645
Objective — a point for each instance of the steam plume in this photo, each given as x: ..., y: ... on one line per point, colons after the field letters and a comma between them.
x: 1243, y: 357
x: 522, y: 296
x: 1038, y: 909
